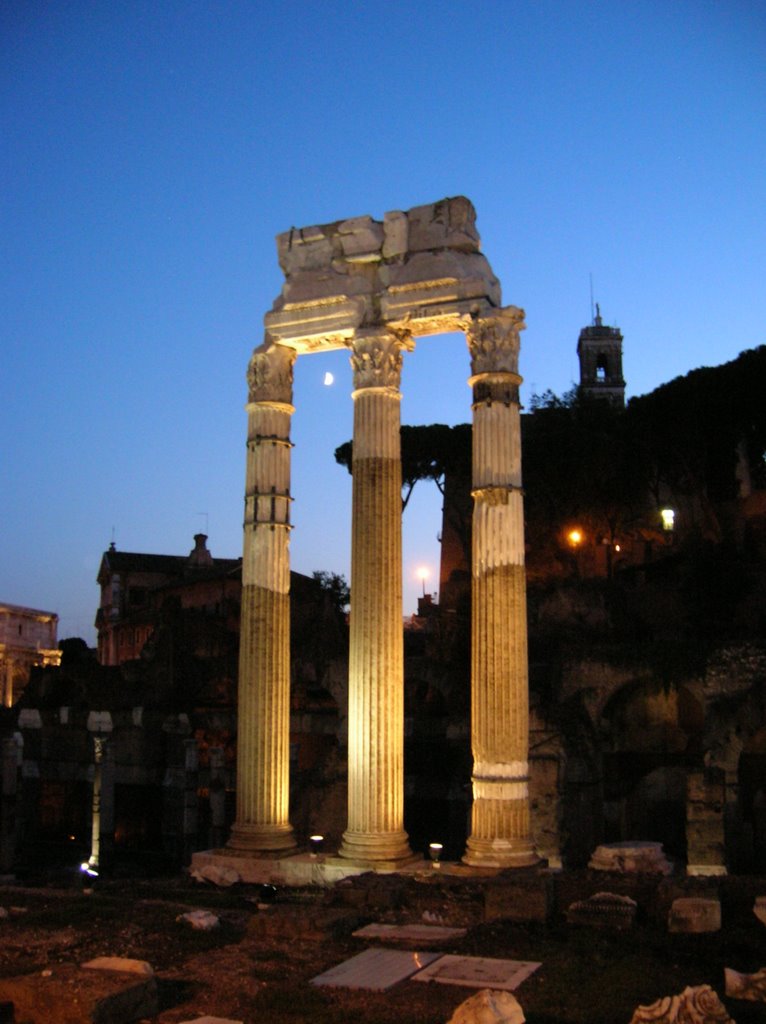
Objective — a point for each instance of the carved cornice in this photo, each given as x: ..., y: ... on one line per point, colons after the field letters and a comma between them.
x: 493, y: 341
x: 377, y: 358
x: 270, y: 374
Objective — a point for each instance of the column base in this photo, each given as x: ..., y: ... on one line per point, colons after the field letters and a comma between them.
x: 377, y: 848
x: 500, y: 853
x: 266, y: 838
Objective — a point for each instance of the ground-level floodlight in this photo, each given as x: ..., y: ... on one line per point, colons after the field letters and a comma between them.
x: 315, y: 845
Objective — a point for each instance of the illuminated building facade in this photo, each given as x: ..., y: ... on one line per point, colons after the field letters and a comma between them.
x: 27, y: 638
x: 135, y: 586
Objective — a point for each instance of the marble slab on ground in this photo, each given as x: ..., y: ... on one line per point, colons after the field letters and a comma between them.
x: 478, y: 972
x: 72, y: 995
x: 430, y: 934
x: 375, y: 970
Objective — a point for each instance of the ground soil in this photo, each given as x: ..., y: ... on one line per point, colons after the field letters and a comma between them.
x: 257, y: 965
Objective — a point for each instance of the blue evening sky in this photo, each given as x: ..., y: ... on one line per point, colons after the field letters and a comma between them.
x: 151, y: 151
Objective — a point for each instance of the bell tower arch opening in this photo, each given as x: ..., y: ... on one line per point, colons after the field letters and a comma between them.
x: 599, y: 350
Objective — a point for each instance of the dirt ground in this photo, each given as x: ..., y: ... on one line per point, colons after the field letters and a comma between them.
x: 257, y: 964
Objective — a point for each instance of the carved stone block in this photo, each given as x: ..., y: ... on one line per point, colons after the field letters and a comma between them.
x: 489, y: 1006
x: 746, y: 986
x: 395, y: 230
x: 694, y: 915
x: 449, y: 223
x: 604, y: 910
x: 695, y: 1005
x: 632, y: 856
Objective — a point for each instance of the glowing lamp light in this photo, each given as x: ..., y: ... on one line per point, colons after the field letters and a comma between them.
x: 435, y: 852
x: 617, y: 548
x: 575, y: 537
x: 668, y: 517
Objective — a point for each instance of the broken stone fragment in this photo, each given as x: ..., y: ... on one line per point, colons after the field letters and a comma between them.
x: 604, y: 910
x: 394, y: 234
x: 633, y: 856
x: 361, y: 239
x: 759, y: 908
x: 693, y: 915
x: 746, y: 986
x: 489, y: 1006
x: 120, y: 963
x: 211, y: 1020
x: 216, y: 874
x: 200, y: 920
x: 449, y: 223
x: 70, y: 993
x: 695, y: 1005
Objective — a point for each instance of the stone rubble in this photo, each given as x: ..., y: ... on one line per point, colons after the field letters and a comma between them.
x: 489, y: 1006
x: 119, y: 963
x: 759, y: 908
x: 211, y: 1020
x: 695, y: 1005
x: 746, y: 986
x: 694, y: 915
x: 200, y: 920
x: 79, y: 996
x: 604, y: 910
x: 216, y: 874
x: 632, y: 856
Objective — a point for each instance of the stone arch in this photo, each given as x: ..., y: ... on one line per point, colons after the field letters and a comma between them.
x: 653, y: 736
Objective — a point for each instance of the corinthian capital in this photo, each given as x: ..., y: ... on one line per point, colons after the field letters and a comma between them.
x: 377, y: 358
x: 270, y: 374
x: 493, y: 341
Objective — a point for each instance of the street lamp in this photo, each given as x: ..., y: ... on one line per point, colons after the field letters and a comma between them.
x: 668, y: 516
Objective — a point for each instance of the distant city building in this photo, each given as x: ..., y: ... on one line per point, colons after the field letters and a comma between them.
x: 599, y: 350
x: 27, y: 638
x: 135, y: 586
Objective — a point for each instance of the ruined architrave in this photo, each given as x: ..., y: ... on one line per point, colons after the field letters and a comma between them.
x: 374, y: 288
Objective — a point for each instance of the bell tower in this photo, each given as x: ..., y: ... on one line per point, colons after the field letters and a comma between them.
x: 599, y: 350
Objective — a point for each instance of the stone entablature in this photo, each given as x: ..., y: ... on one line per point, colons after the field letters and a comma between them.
x: 418, y: 271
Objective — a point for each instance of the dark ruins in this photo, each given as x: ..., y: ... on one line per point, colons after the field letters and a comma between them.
x: 562, y: 760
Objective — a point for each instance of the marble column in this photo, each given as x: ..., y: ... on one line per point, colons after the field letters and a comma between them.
x: 500, y: 830
x: 263, y: 707
x: 375, y: 832
x: 95, y: 829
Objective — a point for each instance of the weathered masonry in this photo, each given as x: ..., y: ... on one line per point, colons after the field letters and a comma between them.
x: 374, y: 288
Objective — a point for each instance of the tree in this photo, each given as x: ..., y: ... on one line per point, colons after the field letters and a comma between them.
x: 335, y: 587
x: 439, y: 453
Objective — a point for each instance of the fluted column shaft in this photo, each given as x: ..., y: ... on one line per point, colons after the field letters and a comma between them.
x: 375, y: 832
x: 500, y: 834
x: 263, y: 709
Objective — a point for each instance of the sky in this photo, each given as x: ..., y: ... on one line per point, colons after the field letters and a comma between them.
x: 150, y: 152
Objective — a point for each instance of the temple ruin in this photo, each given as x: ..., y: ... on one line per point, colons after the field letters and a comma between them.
x: 374, y: 288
